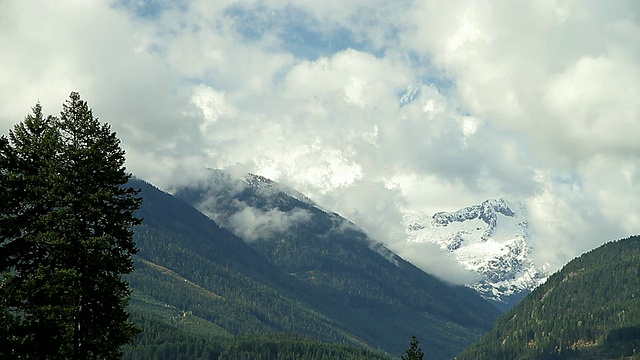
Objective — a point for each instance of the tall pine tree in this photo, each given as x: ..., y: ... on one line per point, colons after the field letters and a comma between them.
x: 27, y: 158
x: 65, y: 237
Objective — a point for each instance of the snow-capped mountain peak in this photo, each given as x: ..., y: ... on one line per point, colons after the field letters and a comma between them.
x: 270, y: 188
x: 486, y: 211
x: 491, y: 238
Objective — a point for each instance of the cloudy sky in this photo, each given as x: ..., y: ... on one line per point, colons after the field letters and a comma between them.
x: 371, y: 108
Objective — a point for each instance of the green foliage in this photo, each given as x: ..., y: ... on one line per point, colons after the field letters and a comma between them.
x: 590, y: 309
x: 65, y: 237
x: 413, y: 352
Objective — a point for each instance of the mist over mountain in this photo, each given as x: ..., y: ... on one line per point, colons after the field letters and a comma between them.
x: 492, y: 240
x: 312, y: 273
x: 389, y: 296
x: 484, y: 246
x: 196, y: 287
x: 375, y: 110
x: 371, y: 108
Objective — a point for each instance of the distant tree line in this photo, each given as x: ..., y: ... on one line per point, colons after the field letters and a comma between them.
x: 162, y: 342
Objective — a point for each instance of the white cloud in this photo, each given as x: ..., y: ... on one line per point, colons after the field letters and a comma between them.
x: 212, y: 105
x: 531, y: 101
x: 432, y: 259
x: 253, y: 224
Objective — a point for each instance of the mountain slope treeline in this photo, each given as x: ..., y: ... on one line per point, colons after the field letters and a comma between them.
x: 186, y: 261
x: 196, y: 277
x: 588, y: 310
x: 377, y: 295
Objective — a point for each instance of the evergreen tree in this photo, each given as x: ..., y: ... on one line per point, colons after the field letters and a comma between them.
x: 414, y: 352
x: 26, y: 233
x: 66, y: 222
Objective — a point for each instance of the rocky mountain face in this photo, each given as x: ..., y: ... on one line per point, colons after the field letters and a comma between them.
x: 492, y: 239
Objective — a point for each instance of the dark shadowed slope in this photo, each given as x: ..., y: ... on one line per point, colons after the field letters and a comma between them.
x: 189, y: 264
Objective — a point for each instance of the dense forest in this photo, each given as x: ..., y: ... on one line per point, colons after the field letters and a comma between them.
x: 201, y: 293
x: 588, y: 310
x: 385, y: 297
x: 188, y: 263
x: 160, y: 341
x: 190, y: 269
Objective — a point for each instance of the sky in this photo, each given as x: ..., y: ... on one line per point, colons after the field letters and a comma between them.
x: 371, y: 108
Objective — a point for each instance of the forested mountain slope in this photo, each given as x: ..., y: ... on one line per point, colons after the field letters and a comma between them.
x: 369, y: 290
x: 198, y: 281
x: 588, y: 310
x: 192, y: 274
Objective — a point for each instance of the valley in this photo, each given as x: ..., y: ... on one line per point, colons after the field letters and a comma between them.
x: 297, y: 274
x: 325, y: 280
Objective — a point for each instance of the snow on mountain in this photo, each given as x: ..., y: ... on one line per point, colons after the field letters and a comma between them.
x: 491, y: 239
x: 270, y: 188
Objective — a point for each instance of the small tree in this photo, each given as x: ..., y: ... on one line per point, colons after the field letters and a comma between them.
x: 414, y: 352
x: 66, y: 219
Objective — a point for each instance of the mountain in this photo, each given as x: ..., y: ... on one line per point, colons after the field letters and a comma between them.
x: 188, y: 263
x: 588, y: 310
x: 368, y: 291
x: 490, y: 239
x: 196, y: 287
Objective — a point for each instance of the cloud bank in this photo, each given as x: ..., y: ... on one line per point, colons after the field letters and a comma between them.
x: 370, y: 108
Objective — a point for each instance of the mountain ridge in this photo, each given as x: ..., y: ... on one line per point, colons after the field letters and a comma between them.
x: 179, y: 246
x: 490, y: 239
x: 336, y: 258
